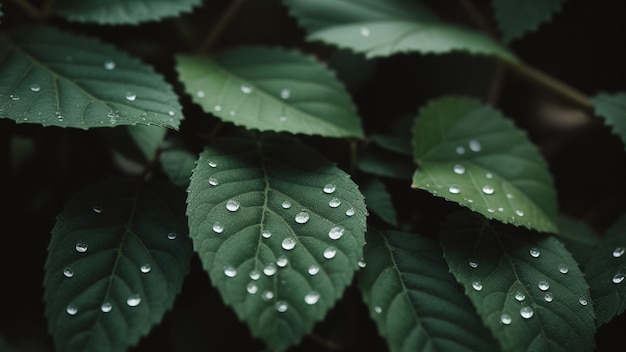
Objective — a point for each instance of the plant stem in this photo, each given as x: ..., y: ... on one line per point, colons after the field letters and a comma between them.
x: 222, y: 23
x: 478, y: 18
x: 28, y: 7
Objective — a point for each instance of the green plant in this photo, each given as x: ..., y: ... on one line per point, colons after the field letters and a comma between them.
x: 279, y: 155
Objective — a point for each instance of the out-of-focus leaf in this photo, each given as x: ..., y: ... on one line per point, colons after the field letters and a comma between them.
x: 517, y: 17
x: 379, y: 201
x: 612, y: 107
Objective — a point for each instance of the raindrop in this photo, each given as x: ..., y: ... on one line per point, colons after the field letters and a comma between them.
x: 232, y: 113
x: 618, y: 252
x: 230, y: 271
x: 81, y: 247
x: 491, y: 210
x: 510, y: 196
x: 288, y: 243
x: 501, y: 209
x: 14, y: 97
x: 286, y: 204
x: 282, y: 118
x: 68, y: 272
x: 313, y: 269
x: 473, y: 264
x: 282, y: 261
x: 519, y: 212
x: 458, y: 169
x: 281, y: 306
x: 563, y: 269
x: 200, y: 94
x: 519, y: 296
x: 312, y: 297
x: 454, y: 189
x: 213, y: 181
x: 109, y: 65
x: 477, y: 285
x: 267, y: 295
x: 252, y: 288
x: 269, y: 270
x: 378, y: 310
x: 218, y: 227
x: 106, y: 307
x: 488, y: 189
x: 171, y: 236
x: 526, y: 312
x: 350, y: 211
x: 255, y: 274
x: 460, y: 150
x: 97, y: 209
x: 534, y: 252
x: 334, y: 203
x: 217, y: 108
x: 365, y: 32
x: 130, y: 96
x: 329, y: 188
x: 474, y: 145
x: 583, y: 301
x: 548, y: 297
x: 505, y: 319
x: 59, y: 116
x: 71, y: 309
x: 617, y: 278
x: 543, y: 286
x: 330, y: 252
x: 171, y: 113
x: 133, y: 300
x: 302, y: 217
x: 285, y: 93
x: 246, y: 89
x: 361, y: 263
x: 266, y: 234
x: 35, y: 87
x: 145, y: 268
x: 489, y: 175
x: 212, y: 163
x: 336, y: 232
x: 232, y: 205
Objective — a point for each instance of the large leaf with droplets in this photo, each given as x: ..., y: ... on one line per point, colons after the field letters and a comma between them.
x: 605, y: 273
x: 271, y: 89
x: 116, y: 260
x: 414, y: 300
x: 470, y: 154
x: 517, y: 17
x: 122, y: 11
x: 612, y: 107
x: 278, y: 228
x: 386, y: 27
x: 55, y: 78
x: 527, y: 288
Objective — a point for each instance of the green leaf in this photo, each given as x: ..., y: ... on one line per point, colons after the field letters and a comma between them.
x: 116, y: 261
x: 396, y: 144
x: 379, y: 201
x: 517, y: 17
x: 264, y: 214
x: 415, y: 302
x: 470, y: 154
x: 178, y: 165
x: 271, y: 89
x: 376, y: 161
x: 605, y: 273
x: 578, y: 238
x: 122, y: 11
x: 55, y: 78
x: 612, y: 107
x: 386, y: 27
x: 528, y: 289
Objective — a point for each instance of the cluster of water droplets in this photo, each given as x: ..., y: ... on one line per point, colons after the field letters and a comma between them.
x: 618, y: 277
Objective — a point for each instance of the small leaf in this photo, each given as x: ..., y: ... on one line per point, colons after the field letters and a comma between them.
x: 527, y: 289
x: 517, y: 17
x: 578, y: 238
x: 612, y: 107
x: 379, y: 201
x: 56, y: 78
x: 271, y: 89
x: 377, y: 161
x: 396, y: 144
x: 415, y: 302
x: 386, y: 27
x: 278, y: 228
x: 116, y: 261
x: 470, y: 154
x: 605, y: 273
x: 178, y: 165
x: 147, y: 138
x: 122, y: 11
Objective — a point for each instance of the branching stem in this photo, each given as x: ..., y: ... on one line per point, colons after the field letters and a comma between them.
x: 219, y: 27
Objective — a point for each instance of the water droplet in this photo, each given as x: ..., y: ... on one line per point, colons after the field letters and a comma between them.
x: 488, y: 189
x: 583, y: 301
x: 543, y: 286
x: 477, y: 285
x: 526, y: 312
x: 282, y: 306
x: 286, y: 204
x: 282, y: 261
x: 329, y: 188
x: 549, y: 297
x: 71, y: 309
x: 59, y: 116
x: 491, y: 210
x: 361, y: 263
x: 97, y: 209
x: 145, y: 268
x: 336, y: 232
x: 133, y: 300
x: 454, y: 189
x: 212, y: 163
x: 618, y: 278
x: 218, y: 227
x: 510, y: 196
x: 232, y: 113
x: 81, y: 247
x: 501, y: 209
x: 252, y: 288
x: 246, y: 89
x: 282, y: 118
x: 350, y: 211
x: 232, y: 205
x: 171, y: 236
x: 285, y: 93
x: 130, y: 96
x: 473, y: 264
x: 302, y: 217
x: 106, y: 307
x: 269, y: 270
x: 505, y: 319
x: 330, y: 252
x: 288, y: 243
x: 312, y: 297
x: 519, y: 212
x: 217, y: 108
x: 334, y: 203
x: 460, y: 150
x: 519, y: 296
x: 255, y: 274
x: 266, y: 234
x: 365, y: 32
x: 230, y: 271
x: 200, y: 94
x: 618, y: 252
x: 213, y: 181
x: 458, y: 169
x: 109, y: 65
x: 563, y: 269
x: 313, y: 269
x: 489, y: 175
x: 35, y: 87
x: 378, y: 310
x: 68, y: 272
x: 267, y: 295
x: 474, y: 145
x: 534, y: 252
x: 171, y: 113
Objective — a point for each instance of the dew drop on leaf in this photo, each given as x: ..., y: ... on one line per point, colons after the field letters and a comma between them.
x: 312, y: 297
x: 246, y: 89
x: 488, y: 190
x: 364, y: 31
x: 282, y: 306
x: 130, y: 96
x: 230, y: 271
x: 232, y: 205
x: 171, y: 236
x: 350, y: 211
x: 458, y: 169
x: 14, y: 97
x: 618, y: 278
x: 534, y: 252
x: 549, y: 297
x: 71, y: 309
x: 133, y: 300
x: 212, y: 163
x: 491, y: 210
x: 269, y: 270
x: 35, y: 87
x: 285, y: 93
x: 81, y: 247
x: 68, y: 272
x: 583, y: 301
x: 252, y: 288
x: 519, y: 212
x: 473, y: 264
x: 526, y: 312
x: 286, y: 204
x: 106, y: 307
x: 474, y: 145
x: 361, y: 263
x: 489, y: 175
x: 454, y: 189
x: 330, y: 252
x: 218, y: 227
x: 329, y: 188
x: 282, y: 261
x: 505, y: 319
x: 255, y: 274
x: 460, y: 150
x: 97, y: 209
x: 519, y: 296
x: 334, y: 203
x: 217, y: 108
x: 302, y: 217
x: 145, y: 268
x: 109, y: 65
x: 267, y: 295
x: 378, y: 309
x: 618, y: 252
x: 266, y: 234
x: 563, y: 269
x: 288, y: 243
x: 543, y: 285
x: 313, y: 269
x: 477, y: 285
x: 336, y: 232
x: 213, y: 181
x: 200, y: 94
